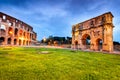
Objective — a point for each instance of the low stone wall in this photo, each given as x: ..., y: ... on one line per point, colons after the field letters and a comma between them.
x: 116, y: 47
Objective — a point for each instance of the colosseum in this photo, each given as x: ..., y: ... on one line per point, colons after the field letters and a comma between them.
x: 15, y: 32
x: 94, y: 34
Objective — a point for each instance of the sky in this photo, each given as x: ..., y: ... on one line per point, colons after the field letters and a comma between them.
x: 56, y: 17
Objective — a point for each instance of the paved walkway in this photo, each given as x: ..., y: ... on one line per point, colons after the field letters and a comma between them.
x: 87, y: 50
x: 59, y: 47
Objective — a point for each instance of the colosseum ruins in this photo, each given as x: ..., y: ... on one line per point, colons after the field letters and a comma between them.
x: 15, y: 32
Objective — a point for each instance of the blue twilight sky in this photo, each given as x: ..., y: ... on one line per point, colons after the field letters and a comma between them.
x: 55, y: 17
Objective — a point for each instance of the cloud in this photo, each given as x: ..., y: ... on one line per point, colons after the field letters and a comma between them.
x: 56, y: 17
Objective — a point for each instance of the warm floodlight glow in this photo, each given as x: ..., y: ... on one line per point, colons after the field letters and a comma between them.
x: 22, y: 38
x: 10, y: 32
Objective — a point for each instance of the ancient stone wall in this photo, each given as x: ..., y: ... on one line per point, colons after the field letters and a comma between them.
x: 15, y: 32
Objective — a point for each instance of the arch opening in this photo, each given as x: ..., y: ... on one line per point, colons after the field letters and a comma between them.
x: 15, y: 41
x: 24, y: 34
x: 3, y: 32
x: 20, y: 42
x: 99, y: 43
x: 9, y: 41
x: 20, y: 33
x: 10, y: 31
x: 16, y: 32
x: 2, y: 40
x: 23, y: 42
x: 26, y: 42
x: 28, y: 35
x: 86, y: 40
x: 29, y: 42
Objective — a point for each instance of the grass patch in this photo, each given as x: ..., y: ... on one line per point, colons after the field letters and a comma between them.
x: 27, y: 64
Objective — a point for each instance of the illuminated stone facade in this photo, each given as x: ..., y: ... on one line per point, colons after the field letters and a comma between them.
x: 15, y: 32
x: 94, y: 34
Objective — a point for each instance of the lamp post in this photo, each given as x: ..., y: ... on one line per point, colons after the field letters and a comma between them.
x: 44, y: 39
x: 0, y: 28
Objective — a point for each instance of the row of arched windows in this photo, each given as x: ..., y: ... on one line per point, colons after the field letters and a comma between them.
x: 16, y: 32
x: 16, y: 41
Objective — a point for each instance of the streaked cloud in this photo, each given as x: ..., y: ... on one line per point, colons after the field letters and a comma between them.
x: 55, y: 17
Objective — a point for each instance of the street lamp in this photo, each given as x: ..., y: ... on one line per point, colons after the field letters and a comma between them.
x: 0, y: 29
x: 44, y: 39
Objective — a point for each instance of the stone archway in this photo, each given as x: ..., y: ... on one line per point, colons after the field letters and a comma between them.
x: 23, y: 42
x: 29, y: 42
x: 24, y: 34
x: 16, y: 32
x: 26, y: 42
x: 99, y: 29
x: 15, y: 41
x: 9, y: 41
x: 21, y: 33
x: 20, y: 42
x: 2, y: 40
x: 10, y: 31
x: 86, y: 41
x: 3, y: 32
x: 99, y: 44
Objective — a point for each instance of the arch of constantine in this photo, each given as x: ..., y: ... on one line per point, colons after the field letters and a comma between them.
x: 94, y: 34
